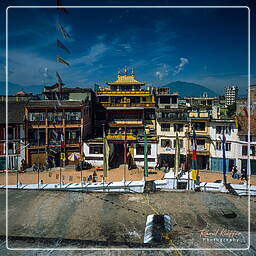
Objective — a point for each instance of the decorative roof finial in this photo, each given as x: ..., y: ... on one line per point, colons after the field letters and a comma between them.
x: 132, y: 72
x: 125, y: 71
x: 118, y: 72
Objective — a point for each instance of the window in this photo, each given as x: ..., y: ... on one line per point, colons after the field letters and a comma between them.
x: 73, y: 136
x: 95, y: 149
x: 178, y: 127
x: 54, y: 136
x: 33, y: 136
x: 55, y: 116
x: 225, y: 128
x: 218, y: 145
x: 218, y: 129
x: 252, y: 151
x: 10, y: 133
x: 199, y: 126
x: 181, y: 143
x: 165, y: 127
x: 164, y: 99
x: 166, y: 143
x: 174, y: 100
x: 36, y: 116
x: 73, y: 115
x: 228, y: 146
x: 140, y: 149
x: 103, y: 99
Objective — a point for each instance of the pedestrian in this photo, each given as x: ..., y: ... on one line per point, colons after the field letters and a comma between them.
x: 244, y: 174
x: 94, y: 176
x: 234, y: 173
x: 89, y: 178
x: 41, y: 181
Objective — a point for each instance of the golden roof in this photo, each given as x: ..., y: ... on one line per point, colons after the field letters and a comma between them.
x: 125, y: 79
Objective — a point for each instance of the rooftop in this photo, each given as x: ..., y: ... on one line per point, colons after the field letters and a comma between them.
x: 126, y: 79
x: 15, y: 112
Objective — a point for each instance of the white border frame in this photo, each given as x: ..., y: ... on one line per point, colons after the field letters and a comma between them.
x: 135, y: 249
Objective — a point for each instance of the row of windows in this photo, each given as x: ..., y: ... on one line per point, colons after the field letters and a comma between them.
x: 55, y: 116
x: 198, y: 126
x: 98, y: 149
x: 227, y: 145
x: 166, y: 143
x: 226, y: 129
x: 165, y: 127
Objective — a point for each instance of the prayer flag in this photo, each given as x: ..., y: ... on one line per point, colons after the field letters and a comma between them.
x: 61, y: 45
x: 60, y: 60
x: 63, y: 31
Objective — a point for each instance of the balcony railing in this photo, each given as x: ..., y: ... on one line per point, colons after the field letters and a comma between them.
x: 73, y: 121
x: 128, y: 136
x: 72, y: 141
x: 128, y: 104
x: 200, y: 148
x: 123, y: 92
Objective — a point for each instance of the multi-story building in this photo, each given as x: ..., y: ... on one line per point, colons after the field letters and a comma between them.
x: 47, y: 121
x: 231, y: 95
x: 199, y: 120
x: 232, y: 146
x: 124, y: 109
x: 169, y: 122
x: 242, y: 122
x: 14, y: 149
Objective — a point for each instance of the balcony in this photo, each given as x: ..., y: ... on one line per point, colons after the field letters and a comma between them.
x: 37, y: 123
x: 72, y: 141
x: 123, y: 137
x: 128, y: 105
x: 122, y: 92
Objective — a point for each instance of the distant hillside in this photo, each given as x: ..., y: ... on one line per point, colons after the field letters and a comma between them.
x: 189, y: 89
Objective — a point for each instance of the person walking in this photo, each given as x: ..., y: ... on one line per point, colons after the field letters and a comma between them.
x: 244, y: 174
x: 94, y: 177
x: 234, y: 173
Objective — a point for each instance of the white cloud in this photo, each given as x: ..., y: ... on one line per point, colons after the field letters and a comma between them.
x: 94, y: 54
x: 162, y: 72
x: 180, y: 67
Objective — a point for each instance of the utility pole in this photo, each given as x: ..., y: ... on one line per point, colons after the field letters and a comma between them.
x: 38, y: 156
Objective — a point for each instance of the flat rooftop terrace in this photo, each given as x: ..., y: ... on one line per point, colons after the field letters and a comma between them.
x: 39, y: 219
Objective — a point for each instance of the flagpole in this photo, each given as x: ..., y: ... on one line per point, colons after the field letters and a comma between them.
x: 224, y: 158
x: 124, y: 156
x: 104, y: 155
x: 177, y: 160
x: 145, y: 154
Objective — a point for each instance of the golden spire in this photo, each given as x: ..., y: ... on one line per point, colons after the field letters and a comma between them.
x: 132, y: 72
x: 125, y: 71
x: 118, y: 72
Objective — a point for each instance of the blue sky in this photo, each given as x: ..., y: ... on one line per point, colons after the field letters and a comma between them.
x: 204, y: 46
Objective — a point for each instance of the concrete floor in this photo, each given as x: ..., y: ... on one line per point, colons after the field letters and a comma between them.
x: 88, y: 220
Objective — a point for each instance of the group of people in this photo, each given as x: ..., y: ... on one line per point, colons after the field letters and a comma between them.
x: 93, y: 177
x: 237, y: 175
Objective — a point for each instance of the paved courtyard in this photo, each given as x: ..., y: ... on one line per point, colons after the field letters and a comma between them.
x: 117, y: 174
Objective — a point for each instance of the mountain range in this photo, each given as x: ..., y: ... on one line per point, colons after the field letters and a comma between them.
x: 186, y: 89
x: 183, y: 88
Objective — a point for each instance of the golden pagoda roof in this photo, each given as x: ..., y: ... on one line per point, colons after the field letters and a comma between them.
x: 125, y: 79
